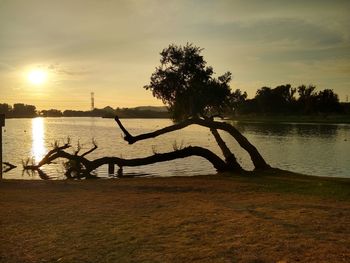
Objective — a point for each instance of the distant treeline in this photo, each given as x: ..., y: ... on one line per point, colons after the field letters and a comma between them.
x: 282, y: 100
x: 20, y: 110
x: 286, y: 100
x: 109, y: 112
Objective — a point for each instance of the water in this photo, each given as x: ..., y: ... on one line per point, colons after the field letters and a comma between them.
x: 313, y: 149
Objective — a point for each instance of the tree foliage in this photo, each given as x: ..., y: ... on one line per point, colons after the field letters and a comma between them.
x: 18, y: 110
x: 185, y: 83
x: 283, y: 100
x: 278, y: 99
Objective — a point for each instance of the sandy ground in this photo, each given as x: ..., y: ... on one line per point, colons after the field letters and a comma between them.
x: 187, y: 219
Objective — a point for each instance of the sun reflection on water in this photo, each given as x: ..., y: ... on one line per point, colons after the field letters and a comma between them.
x: 38, y: 146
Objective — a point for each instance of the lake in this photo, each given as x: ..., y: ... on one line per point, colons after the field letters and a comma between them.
x: 314, y: 149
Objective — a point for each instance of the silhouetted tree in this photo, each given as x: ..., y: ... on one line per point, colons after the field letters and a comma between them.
x: 282, y: 100
x: 249, y: 106
x: 276, y: 101
x: 187, y: 86
x: 185, y: 83
x: 307, y: 99
x: 23, y: 110
x: 327, y: 102
x: 237, y: 99
x: 264, y: 99
x: 5, y: 109
x: 51, y: 113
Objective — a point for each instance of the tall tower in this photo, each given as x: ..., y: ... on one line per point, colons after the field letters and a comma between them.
x: 92, y: 101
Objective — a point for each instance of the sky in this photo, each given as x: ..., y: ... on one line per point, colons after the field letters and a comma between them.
x: 112, y: 47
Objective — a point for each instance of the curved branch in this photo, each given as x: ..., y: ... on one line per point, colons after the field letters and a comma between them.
x: 55, y: 155
x: 92, y: 149
x: 255, y: 156
x: 54, y: 150
x: 216, y: 161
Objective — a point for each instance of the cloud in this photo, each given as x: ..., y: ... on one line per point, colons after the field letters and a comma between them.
x: 283, y: 32
x: 60, y: 70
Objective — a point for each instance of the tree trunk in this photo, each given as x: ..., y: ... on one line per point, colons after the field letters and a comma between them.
x: 230, y: 158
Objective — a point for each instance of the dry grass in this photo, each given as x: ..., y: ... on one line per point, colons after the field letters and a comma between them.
x: 260, y: 218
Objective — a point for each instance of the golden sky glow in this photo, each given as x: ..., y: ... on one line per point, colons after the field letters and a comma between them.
x: 112, y: 47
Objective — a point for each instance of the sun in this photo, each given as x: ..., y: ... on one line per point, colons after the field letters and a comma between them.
x: 37, y: 76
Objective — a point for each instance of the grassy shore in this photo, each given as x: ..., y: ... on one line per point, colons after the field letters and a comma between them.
x: 275, y: 216
x: 330, y: 119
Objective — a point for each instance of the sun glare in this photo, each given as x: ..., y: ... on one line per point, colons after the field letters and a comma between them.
x: 38, y: 135
x: 37, y: 76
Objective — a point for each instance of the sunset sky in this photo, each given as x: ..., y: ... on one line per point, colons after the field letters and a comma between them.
x: 112, y: 47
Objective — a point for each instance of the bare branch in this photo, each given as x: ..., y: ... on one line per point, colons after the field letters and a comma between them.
x: 216, y: 161
x: 76, y: 152
x: 8, y: 167
x: 47, y: 158
x: 92, y: 149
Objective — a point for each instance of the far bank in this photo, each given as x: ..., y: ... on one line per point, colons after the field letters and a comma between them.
x: 321, y: 119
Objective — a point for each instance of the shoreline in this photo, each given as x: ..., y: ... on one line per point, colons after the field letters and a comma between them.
x: 272, y: 171
x: 244, y: 174
x: 294, y: 119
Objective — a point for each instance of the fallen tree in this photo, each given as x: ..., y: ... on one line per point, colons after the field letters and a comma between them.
x: 78, y: 166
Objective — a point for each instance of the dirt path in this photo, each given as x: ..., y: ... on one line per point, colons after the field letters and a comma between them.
x: 197, y: 219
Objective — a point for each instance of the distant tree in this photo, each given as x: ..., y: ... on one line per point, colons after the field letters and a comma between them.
x: 51, y: 113
x: 141, y: 112
x: 76, y: 113
x: 284, y: 98
x: 328, y: 102
x: 249, y: 106
x: 307, y: 99
x: 276, y: 101
x: 325, y: 101
x: 5, y: 109
x: 306, y: 92
x: 285, y: 93
x: 237, y: 99
x: 265, y: 100
x: 24, y: 110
